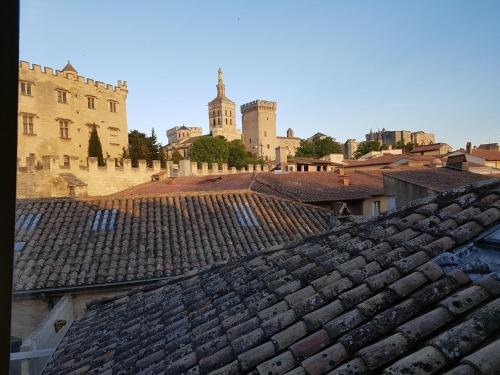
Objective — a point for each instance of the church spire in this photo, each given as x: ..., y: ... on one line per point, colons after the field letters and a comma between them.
x: 221, y: 88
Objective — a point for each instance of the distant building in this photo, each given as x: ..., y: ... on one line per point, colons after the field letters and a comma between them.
x: 59, y: 109
x: 391, y: 137
x: 259, y: 130
x: 181, y: 132
x: 317, y: 135
x: 222, y: 114
x: 435, y: 149
x: 489, y: 146
x: 349, y: 148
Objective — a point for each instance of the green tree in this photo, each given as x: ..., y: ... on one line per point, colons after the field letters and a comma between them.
x: 138, y: 147
x: 209, y: 149
x: 176, y: 157
x: 318, y: 147
x: 405, y: 147
x: 154, y: 149
x: 368, y: 146
x: 95, y: 148
x: 238, y: 156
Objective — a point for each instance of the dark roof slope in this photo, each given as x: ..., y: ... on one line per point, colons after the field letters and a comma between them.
x: 72, y: 242
x: 431, y: 147
x: 437, y: 179
x: 386, y: 295
x: 319, y: 186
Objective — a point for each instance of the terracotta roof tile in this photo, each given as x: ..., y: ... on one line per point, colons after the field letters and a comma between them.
x: 387, y: 307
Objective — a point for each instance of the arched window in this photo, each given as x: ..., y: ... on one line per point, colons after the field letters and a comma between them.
x: 214, y: 121
x: 226, y: 112
x: 230, y: 121
x: 226, y: 120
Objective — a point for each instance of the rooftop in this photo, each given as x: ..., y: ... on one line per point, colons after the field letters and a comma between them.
x: 431, y: 147
x: 298, y: 186
x: 72, y: 243
x: 437, y: 179
x: 490, y: 155
x: 392, y: 295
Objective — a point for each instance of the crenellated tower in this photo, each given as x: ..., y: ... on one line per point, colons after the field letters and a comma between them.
x: 222, y: 113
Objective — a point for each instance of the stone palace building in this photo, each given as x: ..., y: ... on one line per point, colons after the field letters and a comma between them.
x: 57, y: 111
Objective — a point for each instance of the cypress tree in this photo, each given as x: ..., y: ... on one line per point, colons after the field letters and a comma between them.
x: 95, y: 148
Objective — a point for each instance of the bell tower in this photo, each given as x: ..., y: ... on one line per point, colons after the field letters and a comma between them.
x: 222, y: 113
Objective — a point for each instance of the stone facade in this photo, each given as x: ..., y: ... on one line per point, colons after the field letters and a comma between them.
x: 179, y: 133
x: 259, y: 130
x: 349, y: 148
x: 391, y: 137
x: 222, y: 114
x: 57, y: 111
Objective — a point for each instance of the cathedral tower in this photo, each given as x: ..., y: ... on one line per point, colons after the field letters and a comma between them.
x: 222, y: 113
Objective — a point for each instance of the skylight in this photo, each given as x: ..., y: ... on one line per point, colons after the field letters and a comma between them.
x: 104, y: 220
x: 245, y: 215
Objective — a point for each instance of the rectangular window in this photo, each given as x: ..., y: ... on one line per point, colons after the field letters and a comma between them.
x: 66, y: 160
x: 26, y: 88
x: 28, y: 124
x: 64, y: 128
x: 376, y: 208
x: 61, y: 96
x: 91, y: 102
x: 112, y: 106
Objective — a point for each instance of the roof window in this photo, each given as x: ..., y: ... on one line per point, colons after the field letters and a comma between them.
x: 104, y: 220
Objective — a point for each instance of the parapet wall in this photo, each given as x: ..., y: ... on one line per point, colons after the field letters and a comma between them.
x: 49, y: 182
x: 37, y: 70
x: 258, y: 105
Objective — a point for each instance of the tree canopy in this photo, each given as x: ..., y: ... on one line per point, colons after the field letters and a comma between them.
x: 219, y: 150
x: 368, y: 146
x: 143, y: 147
x: 95, y: 148
x: 318, y: 147
x: 405, y: 147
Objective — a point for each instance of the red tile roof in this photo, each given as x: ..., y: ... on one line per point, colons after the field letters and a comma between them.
x: 380, y: 160
x: 490, y: 155
x: 298, y: 186
x: 437, y: 179
x: 431, y: 147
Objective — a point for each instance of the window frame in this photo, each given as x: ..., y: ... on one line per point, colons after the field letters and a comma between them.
x: 28, y: 126
x: 62, y: 96
x: 27, y: 88
x: 64, y: 128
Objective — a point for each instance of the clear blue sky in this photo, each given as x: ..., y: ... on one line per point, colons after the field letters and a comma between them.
x: 337, y: 67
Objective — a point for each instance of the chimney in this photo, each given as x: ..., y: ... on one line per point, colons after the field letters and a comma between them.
x: 468, y: 148
x: 341, y: 172
x: 344, y: 181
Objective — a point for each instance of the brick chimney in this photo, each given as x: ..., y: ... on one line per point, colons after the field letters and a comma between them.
x: 344, y: 181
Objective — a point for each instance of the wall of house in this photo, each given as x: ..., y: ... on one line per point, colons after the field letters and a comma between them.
x: 368, y: 205
x: 404, y: 191
x: 26, y: 316
x: 43, y: 105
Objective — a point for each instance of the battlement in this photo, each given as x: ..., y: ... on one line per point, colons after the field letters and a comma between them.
x: 37, y: 69
x: 258, y: 105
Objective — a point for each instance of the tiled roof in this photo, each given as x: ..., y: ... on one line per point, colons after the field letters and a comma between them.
x: 299, y: 186
x: 437, y: 179
x: 431, y: 147
x: 72, y: 242
x: 240, y: 181
x: 319, y: 186
x: 71, y: 179
x: 381, y: 296
x: 382, y: 160
x: 490, y: 155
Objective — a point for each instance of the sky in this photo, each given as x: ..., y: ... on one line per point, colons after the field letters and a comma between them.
x: 336, y: 67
